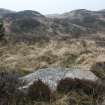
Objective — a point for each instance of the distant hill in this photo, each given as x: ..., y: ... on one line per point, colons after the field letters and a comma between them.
x: 85, y: 18
x: 31, y: 24
x: 3, y: 12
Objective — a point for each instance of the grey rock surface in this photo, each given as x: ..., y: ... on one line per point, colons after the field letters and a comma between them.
x: 51, y: 76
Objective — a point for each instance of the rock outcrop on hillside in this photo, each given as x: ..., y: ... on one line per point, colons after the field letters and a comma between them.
x: 51, y: 76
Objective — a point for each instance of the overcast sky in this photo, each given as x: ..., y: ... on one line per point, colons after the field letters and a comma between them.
x: 52, y: 6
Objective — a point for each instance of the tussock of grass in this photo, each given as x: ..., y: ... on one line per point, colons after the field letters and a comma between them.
x: 48, y: 57
x: 78, y: 99
x: 99, y: 69
x: 69, y: 59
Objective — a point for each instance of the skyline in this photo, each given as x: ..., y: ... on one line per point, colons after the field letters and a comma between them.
x: 52, y: 6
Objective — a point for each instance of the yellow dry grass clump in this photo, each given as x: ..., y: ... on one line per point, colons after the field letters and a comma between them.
x: 25, y: 56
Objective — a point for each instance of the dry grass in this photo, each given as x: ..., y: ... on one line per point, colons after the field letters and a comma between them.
x: 26, y: 57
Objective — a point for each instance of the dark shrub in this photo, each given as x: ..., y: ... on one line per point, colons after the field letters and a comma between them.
x: 99, y: 69
x: 90, y: 87
x: 40, y: 92
x: 67, y: 85
x: 1, y: 30
x: 8, y: 88
x: 81, y: 86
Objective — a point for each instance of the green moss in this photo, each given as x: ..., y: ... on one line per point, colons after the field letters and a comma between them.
x: 99, y: 69
x: 24, y: 72
x: 69, y: 59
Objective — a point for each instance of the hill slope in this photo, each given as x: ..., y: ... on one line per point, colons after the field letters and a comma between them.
x: 78, y: 23
x: 3, y: 12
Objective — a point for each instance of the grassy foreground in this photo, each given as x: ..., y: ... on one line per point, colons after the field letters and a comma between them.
x: 69, y: 92
x: 25, y: 57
